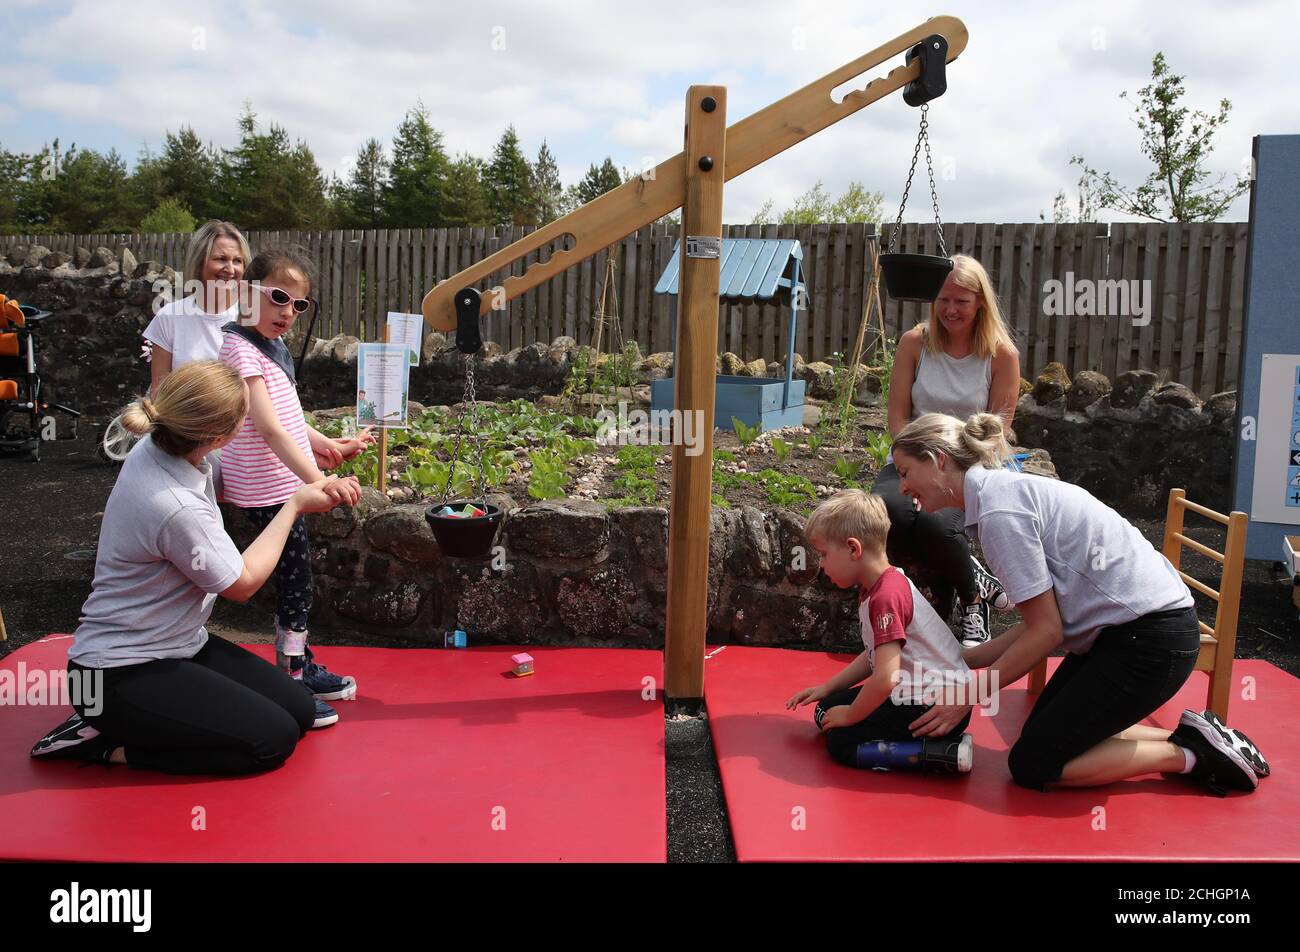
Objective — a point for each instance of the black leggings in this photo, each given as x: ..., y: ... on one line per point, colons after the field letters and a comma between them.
x: 292, y: 572
x: 931, y: 547
x: 1129, y: 672
x: 887, y: 722
x: 223, y: 711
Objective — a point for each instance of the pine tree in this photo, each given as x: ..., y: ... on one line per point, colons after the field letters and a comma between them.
x: 509, y: 182
x: 468, y: 203
x: 189, y: 171
x: 598, y: 180
x: 268, y: 184
x: 548, y: 191
x: 415, y: 195
x: 90, y: 193
x: 361, y: 198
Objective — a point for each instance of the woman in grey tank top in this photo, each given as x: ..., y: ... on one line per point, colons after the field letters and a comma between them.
x: 960, y: 362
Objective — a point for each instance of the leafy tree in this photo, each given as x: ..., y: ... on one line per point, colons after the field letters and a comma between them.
x: 168, y: 216
x: 416, y: 193
x: 1085, y: 208
x: 509, y: 179
x: 816, y: 207
x: 1178, y: 142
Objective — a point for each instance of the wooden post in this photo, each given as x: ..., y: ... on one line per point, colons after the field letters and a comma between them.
x: 382, y: 475
x: 694, y: 370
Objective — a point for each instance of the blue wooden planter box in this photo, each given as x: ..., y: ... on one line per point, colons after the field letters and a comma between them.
x: 749, y: 399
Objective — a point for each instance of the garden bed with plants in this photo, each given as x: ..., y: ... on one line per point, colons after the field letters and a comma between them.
x: 569, y: 450
x: 534, y: 453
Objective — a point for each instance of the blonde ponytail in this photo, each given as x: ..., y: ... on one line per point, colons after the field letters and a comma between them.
x: 980, y: 440
x: 195, y: 405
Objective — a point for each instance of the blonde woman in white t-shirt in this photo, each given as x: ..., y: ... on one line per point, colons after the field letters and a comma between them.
x: 1082, y: 577
x: 189, y: 329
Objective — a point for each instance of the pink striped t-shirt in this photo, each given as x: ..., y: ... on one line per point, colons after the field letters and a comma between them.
x: 251, y: 473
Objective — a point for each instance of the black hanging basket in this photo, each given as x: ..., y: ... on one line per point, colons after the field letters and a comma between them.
x: 468, y: 537
x: 913, y: 277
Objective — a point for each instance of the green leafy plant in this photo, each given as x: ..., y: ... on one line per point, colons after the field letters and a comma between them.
x: 786, y: 489
x: 781, y: 448
x: 549, y: 475
x: 746, y: 434
x: 429, y: 478
x: 845, y: 468
x: 644, y: 490
x: 814, y: 442
x: 878, y: 445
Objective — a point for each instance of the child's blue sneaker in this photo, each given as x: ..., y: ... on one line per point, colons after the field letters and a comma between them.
x: 325, y: 715
x: 323, y: 683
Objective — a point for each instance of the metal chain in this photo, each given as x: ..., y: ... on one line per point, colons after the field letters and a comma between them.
x: 469, y: 400
x: 922, y: 138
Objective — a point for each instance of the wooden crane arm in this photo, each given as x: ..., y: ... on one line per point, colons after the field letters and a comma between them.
x: 648, y: 197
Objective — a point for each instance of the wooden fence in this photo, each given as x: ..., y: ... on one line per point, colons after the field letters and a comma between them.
x: 1191, y: 281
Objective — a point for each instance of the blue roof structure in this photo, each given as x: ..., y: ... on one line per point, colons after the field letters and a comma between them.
x: 752, y: 268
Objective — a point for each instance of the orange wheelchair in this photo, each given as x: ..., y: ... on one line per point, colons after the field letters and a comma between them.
x: 25, y: 420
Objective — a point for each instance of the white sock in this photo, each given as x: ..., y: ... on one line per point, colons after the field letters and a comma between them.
x: 1190, y: 757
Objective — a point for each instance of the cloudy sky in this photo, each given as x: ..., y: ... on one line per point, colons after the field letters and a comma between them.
x: 1037, y: 83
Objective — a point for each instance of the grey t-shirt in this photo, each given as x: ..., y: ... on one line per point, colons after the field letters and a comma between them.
x: 1039, y: 533
x: 163, y: 558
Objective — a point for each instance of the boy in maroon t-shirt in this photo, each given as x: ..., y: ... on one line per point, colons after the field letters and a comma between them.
x: 911, y: 658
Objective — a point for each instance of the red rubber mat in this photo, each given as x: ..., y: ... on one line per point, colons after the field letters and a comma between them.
x: 444, y: 756
x: 787, y: 799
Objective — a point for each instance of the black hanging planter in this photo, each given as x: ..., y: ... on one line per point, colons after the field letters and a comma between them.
x: 468, y: 537
x: 913, y: 277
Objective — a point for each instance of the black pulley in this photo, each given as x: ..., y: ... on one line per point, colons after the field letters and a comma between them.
x: 468, y: 338
x: 933, y: 81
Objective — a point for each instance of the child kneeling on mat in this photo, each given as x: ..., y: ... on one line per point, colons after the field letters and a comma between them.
x: 910, y: 653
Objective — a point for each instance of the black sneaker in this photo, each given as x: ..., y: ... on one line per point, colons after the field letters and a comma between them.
x: 991, y: 589
x: 1218, y: 763
x: 1241, y: 742
x: 948, y: 756
x: 74, y: 739
x: 974, y: 624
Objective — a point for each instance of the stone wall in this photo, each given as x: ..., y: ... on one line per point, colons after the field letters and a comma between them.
x: 1130, y: 443
x: 574, y: 573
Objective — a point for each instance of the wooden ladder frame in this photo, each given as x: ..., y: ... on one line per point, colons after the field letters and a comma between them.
x: 1218, y: 643
x: 693, y: 181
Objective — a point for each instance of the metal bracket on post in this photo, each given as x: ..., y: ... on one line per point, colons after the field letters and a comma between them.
x: 469, y: 340
x: 933, y: 81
